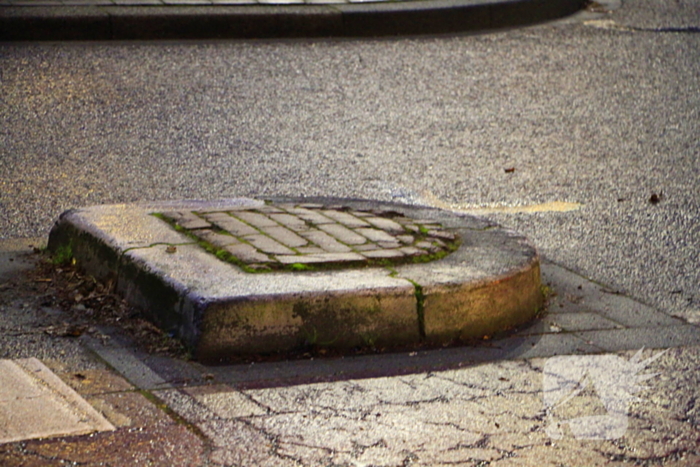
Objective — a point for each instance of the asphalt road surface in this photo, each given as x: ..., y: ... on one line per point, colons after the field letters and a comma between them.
x: 599, y: 111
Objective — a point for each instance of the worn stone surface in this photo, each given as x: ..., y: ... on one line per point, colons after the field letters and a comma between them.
x: 340, y: 320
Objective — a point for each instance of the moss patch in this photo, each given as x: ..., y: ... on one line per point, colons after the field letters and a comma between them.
x: 63, y: 255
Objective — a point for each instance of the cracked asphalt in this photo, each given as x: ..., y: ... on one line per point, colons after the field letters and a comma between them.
x: 487, y: 415
x: 601, y: 110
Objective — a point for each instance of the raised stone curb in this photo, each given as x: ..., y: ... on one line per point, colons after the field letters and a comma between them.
x: 110, y: 22
x: 376, y: 295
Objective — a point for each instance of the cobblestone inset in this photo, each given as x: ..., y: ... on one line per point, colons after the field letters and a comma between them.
x: 296, y: 236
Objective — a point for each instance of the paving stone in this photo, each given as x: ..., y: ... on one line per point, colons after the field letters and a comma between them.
x: 234, y: 2
x: 213, y: 216
x: 285, y: 236
x: 344, y: 218
x: 217, y: 239
x: 268, y: 245
x: 427, y: 246
x: 235, y: 226
x: 244, y: 207
x: 320, y: 258
x: 438, y: 242
x: 407, y: 239
x: 366, y: 247
x: 425, y: 222
x: 136, y: 2
x: 376, y: 235
x: 325, y: 241
x: 193, y: 222
x: 256, y: 219
x: 312, y: 250
x: 267, y: 209
x: 247, y: 253
x: 383, y: 253
x: 412, y: 251
x: 186, y: 2
x: 293, y: 222
x: 386, y: 224
x: 441, y: 234
x: 343, y: 234
x: 314, y: 217
x: 174, y: 215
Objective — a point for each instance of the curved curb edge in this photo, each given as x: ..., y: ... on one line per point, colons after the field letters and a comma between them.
x: 286, y: 21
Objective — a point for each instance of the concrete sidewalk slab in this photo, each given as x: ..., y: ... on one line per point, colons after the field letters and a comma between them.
x: 179, y: 20
x: 35, y: 403
x: 490, y: 283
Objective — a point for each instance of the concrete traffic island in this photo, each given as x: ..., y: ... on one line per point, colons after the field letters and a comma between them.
x: 244, y: 276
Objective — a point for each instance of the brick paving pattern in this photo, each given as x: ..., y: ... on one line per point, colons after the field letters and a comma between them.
x: 281, y: 236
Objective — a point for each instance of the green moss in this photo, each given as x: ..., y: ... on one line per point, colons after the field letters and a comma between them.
x: 63, y: 255
x: 311, y: 337
x: 547, y: 294
x: 431, y: 257
x: 420, y: 306
x: 546, y: 291
x: 369, y: 340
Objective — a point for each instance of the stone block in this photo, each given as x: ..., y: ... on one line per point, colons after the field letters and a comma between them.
x: 285, y: 236
x: 337, y: 319
x: 343, y: 234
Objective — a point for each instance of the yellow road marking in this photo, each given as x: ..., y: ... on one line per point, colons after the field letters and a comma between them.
x: 553, y: 206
